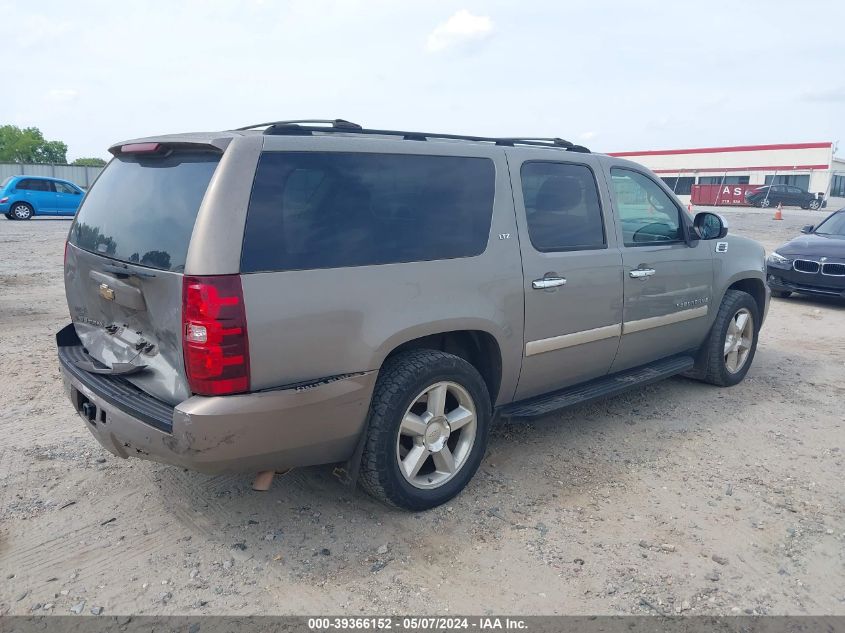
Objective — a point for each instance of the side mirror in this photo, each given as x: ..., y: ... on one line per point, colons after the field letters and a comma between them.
x: 808, y: 229
x: 710, y: 226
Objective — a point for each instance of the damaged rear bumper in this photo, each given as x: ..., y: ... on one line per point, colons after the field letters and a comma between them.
x: 306, y: 424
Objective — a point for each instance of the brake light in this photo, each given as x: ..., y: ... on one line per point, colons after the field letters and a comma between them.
x: 214, y: 335
x: 141, y: 148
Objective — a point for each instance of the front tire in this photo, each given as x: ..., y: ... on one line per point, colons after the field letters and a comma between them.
x: 21, y: 211
x: 814, y: 205
x: 732, y: 342
x: 427, y: 429
x: 765, y: 203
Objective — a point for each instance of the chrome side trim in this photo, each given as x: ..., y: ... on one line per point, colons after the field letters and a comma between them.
x: 570, y: 340
x: 629, y: 327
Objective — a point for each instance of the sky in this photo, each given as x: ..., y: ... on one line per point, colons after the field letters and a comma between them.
x: 613, y: 75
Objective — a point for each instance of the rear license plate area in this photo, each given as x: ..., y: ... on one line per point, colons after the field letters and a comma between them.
x: 87, y: 409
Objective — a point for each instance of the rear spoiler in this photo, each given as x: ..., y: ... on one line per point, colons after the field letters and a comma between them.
x: 164, y: 145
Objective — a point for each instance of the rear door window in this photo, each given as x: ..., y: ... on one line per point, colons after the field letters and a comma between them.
x: 336, y: 209
x: 142, y: 210
x: 562, y: 206
x: 35, y: 184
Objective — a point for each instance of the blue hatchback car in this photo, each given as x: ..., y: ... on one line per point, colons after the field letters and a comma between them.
x: 22, y: 197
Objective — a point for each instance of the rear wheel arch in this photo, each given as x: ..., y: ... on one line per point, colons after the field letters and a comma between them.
x: 478, y: 347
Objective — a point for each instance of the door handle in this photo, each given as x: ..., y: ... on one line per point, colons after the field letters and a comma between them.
x: 641, y: 273
x: 548, y: 282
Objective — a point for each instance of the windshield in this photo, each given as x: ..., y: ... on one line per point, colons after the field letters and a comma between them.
x: 142, y: 210
x: 834, y: 225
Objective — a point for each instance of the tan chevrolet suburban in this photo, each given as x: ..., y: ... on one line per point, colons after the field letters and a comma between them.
x: 314, y: 292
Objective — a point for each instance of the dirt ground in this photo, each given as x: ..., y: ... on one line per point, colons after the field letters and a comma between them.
x: 678, y: 497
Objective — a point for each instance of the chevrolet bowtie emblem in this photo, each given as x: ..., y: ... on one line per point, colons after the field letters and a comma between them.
x: 106, y: 292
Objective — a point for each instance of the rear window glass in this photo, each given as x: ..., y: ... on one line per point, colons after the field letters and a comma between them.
x: 142, y: 210
x: 332, y: 209
x: 562, y: 206
x: 34, y: 185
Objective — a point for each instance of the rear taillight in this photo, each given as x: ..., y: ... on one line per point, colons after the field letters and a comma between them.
x: 214, y: 337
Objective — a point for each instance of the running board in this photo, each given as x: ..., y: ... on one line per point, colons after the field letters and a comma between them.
x: 598, y: 388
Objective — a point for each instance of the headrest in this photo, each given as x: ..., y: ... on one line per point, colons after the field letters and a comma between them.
x: 559, y: 193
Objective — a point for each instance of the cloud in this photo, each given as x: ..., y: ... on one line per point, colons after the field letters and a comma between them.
x: 35, y: 29
x: 461, y: 28
x: 62, y: 95
x: 586, y: 136
x: 830, y: 95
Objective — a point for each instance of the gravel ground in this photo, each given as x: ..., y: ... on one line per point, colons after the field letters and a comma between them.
x: 678, y: 497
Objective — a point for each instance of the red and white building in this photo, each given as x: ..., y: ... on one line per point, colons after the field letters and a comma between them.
x: 811, y: 166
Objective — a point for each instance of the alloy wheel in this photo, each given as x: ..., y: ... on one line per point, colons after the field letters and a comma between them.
x: 738, y: 340
x: 21, y: 212
x: 436, y: 435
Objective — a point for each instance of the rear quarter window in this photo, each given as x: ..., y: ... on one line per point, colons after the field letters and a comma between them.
x: 143, y: 210
x: 335, y: 209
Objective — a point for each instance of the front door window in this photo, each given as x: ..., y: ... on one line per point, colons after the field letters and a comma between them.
x: 647, y: 213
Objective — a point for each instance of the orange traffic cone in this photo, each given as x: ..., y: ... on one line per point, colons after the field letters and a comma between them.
x: 779, y: 212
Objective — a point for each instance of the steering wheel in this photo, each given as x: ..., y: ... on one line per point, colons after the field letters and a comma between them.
x: 654, y: 232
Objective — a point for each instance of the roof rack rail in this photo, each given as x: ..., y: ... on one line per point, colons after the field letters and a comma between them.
x: 336, y: 124
x: 306, y: 127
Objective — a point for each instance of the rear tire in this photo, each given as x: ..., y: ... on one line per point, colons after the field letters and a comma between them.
x: 782, y: 294
x: 427, y: 429
x: 729, y: 350
x: 21, y: 211
x: 765, y: 203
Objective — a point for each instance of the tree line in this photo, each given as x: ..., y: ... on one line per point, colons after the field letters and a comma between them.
x: 28, y: 145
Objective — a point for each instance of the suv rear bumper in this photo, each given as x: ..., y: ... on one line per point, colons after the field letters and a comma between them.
x: 306, y: 424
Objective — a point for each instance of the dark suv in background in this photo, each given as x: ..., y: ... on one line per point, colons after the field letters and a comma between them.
x: 787, y: 195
